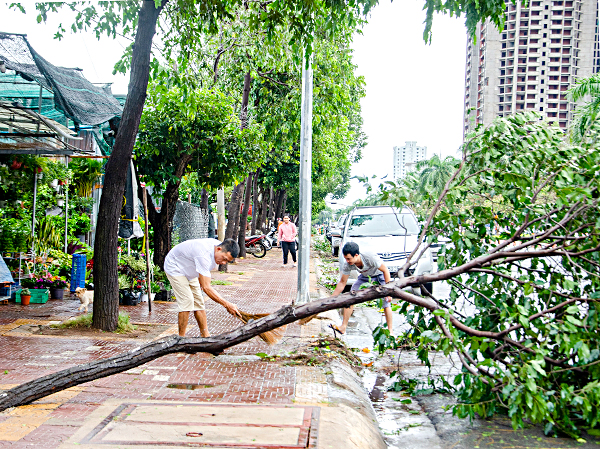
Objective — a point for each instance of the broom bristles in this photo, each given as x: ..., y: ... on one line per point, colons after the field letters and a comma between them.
x: 270, y: 337
x: 304, y: 321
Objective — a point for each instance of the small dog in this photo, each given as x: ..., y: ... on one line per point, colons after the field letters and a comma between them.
x: 86, y: 297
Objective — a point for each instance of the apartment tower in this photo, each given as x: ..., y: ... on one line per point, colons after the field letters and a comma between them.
x: 543, y: 49
x: 406, y: 157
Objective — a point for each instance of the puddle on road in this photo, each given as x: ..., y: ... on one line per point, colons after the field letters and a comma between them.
x: 377, y: 393
x: 189, y: 386
x: 374, y: 384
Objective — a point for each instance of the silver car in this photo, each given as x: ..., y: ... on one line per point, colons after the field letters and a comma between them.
x: 389, y: 232
x: 337, y: 230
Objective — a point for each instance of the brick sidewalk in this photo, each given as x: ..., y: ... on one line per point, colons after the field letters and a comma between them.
x: 238, y: 376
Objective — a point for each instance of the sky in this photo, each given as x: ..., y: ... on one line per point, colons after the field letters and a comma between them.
x: 414, y: 91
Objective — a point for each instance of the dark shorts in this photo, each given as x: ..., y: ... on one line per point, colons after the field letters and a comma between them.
x: 373, y: 279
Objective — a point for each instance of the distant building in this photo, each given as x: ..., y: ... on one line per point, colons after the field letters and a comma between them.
x: 542, y: 50
x: 406, y: 157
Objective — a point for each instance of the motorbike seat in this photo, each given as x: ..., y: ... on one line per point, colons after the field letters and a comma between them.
x: 253, y: 237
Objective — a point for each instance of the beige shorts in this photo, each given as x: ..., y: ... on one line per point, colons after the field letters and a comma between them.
x: 188, y: 293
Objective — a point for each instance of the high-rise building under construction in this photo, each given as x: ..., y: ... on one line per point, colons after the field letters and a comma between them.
x: 532, y: 62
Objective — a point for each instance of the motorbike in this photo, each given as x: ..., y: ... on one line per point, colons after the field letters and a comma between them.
x: 255, y: 246
x: 271, y: 238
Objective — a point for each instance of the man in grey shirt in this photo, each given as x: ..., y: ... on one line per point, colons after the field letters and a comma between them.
x: 371, y: 269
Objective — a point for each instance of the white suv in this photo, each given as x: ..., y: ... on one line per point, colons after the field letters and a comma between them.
x: 389, y: 232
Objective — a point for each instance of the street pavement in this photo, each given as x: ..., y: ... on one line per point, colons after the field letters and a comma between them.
x: 237, y: 399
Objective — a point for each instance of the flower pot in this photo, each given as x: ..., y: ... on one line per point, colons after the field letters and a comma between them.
x: 25, y: 299
x: 60, y: 203
x: 38, y: 296
x: 57, y: 293
x: 144, y: 297
x: 54, y: 183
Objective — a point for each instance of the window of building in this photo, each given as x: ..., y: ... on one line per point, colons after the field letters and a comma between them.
x: 545, y: 26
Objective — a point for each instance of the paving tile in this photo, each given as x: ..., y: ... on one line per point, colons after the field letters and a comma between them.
x: 264, y: 287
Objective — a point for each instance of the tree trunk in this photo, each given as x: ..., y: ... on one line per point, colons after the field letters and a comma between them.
x: 233, y: 222
x: 244, y: 217
x: 284, y: 201
x: 61, y: 380
x: 270, y: 211
x: 106, y: 304
x: 254, y: 202
x: 204, y: 199
x: 162, y: 222
x: 233, y: 215
x: 264, y: 204
x: 279, y: 203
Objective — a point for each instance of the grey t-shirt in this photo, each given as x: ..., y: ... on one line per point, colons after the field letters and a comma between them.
x: 371, y: 263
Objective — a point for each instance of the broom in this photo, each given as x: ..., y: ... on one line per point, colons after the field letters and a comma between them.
x: 270, y: 337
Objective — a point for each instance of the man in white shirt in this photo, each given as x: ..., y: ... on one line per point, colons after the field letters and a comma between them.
x: 188, y: 266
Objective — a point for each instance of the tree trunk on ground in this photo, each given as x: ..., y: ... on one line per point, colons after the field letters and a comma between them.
x: 244, y: 216
x: 61, y: 380
x: 204, y: 199
x: 254, y: 202
x: 106, y: 304
x: 162, y: 222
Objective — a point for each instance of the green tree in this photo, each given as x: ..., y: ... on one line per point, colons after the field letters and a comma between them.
x: 140, y: 19
x: 198, y: 131
x: 585, y: 126
x: 522, y: 213
x: 433, y: 174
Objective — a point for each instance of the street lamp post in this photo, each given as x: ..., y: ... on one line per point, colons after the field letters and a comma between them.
x: 305, y: 215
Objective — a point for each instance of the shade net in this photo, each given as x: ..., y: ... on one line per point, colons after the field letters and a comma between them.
x: 72, y: 95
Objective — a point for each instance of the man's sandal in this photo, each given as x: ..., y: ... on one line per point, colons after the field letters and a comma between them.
x: 335, y: 330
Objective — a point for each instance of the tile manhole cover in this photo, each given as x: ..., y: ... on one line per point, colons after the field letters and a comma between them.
x: 208, y: 425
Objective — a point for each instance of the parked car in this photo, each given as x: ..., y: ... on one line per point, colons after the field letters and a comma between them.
x: 337, y: 230
x: 437, y: 246
x: 389, y: 232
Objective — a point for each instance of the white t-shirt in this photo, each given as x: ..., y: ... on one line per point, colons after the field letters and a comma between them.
x: 191, y: 258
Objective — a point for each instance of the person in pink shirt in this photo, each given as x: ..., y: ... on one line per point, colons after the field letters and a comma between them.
x: 287, y: 239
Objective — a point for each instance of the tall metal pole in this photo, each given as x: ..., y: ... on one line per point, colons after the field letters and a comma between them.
x: 66, y: 184
x: 35, y: 178
x: 221, y: 214
x: 304, y: 219
x: 147, y: 250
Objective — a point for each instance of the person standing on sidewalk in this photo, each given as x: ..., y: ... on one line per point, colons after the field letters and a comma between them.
x: 188, y: 266
x: 287, y: 238
x: 371, y: 269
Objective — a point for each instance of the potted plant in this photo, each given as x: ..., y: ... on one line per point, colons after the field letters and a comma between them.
x: 38, y: 287
x: 25, y: 296
x: 57, y: 288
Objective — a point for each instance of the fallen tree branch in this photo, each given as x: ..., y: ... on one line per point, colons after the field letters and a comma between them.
x: 76, y: 375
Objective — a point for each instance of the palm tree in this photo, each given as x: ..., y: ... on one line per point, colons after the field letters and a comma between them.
x: 433, y: 174
x: 585, y: 126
